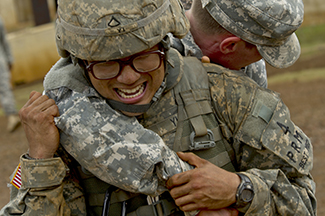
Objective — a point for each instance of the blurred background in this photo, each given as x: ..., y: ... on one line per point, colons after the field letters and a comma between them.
x: 30, y: 28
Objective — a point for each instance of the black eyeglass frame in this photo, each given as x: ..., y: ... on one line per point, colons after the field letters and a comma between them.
x: 129, y: 62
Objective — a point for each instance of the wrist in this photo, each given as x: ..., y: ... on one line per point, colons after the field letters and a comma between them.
x: 38, y: 156
x: 245, y: 193
x: 27, y: 156
x: 237, y: 181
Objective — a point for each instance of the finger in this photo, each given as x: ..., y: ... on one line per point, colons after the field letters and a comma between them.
x: 178, y: 179
x: 43, y: 103
x: 191, y: 159
x: 47, y: 110
x: 35, y: 99
x: 180, y: 191
x: 53, y: 110
x: 205, y: 59
x: 39, y: 102
x: 186, y: 203
x: 41, y: 109
x: 233, y: 212
x: 32, y: 97
x: 34, y: 93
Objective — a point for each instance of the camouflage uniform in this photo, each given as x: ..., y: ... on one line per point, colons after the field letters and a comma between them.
x: 255, y: 121
x: 274, y: 38
x: 187, y: 46
x: 113, y: 146
x: 187, y: 4
x: 6, y: 59
x: 271, y: 30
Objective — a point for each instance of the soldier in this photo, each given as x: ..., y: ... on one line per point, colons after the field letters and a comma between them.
x: 235, y: 35
x: 258, y: 161
x: 6, y: 94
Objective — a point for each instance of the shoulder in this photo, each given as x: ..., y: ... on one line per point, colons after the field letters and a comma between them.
x: 222, y: 77
x: 65, y: 74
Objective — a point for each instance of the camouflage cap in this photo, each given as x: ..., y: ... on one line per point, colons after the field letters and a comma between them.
x: 97, y: 30
x: 270, y: 25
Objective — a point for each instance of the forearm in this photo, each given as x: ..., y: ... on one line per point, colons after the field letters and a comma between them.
x: 138, y: 164
x: 112, y: 146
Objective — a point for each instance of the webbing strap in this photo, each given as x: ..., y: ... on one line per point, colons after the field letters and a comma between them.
x: 194, y: 113
x: 151, y: 210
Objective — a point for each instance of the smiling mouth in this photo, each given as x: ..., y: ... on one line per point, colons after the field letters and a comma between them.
x: 131, y: 93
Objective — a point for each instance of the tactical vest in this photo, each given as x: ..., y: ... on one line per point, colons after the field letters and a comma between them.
x: 186, y: 121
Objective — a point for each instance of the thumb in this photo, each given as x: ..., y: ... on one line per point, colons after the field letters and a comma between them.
x: 191, y: 158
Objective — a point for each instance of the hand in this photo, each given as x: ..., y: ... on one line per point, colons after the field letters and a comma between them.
x: 37, y: 118
x: 219, y: 212
x: 205, y: 187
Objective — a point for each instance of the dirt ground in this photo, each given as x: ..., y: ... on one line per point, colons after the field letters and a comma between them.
x: 306, y: 101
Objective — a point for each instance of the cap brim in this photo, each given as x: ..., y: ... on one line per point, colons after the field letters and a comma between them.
x: 281, y: 56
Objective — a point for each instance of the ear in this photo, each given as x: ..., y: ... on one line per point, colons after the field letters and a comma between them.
x: 230, y: 44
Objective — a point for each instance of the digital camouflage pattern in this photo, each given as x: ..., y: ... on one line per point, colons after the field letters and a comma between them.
x: 112, y: 146
x: 51, y: 183
x: 268, y: 24
x: 6, y: 59
x: 187, y: 47
x: 186, y: 4
x: 273, y: 152
x: 83, y: 27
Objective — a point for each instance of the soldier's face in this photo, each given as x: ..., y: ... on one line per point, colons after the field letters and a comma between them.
x: 129, y: 86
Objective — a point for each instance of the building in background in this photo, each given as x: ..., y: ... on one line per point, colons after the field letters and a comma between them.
x: 18, y: 14
x: 30, y: 24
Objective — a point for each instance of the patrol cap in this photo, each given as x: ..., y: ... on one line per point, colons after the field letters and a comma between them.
x: 270, y: 25
x: 97, y: 30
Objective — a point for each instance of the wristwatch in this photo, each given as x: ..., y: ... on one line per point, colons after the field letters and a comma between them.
x: 245, y: 192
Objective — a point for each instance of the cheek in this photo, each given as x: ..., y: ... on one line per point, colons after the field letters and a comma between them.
x: 102, y: 86
x: 159, y: 77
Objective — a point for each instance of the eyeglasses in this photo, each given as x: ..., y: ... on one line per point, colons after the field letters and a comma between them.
x: 141, y: 63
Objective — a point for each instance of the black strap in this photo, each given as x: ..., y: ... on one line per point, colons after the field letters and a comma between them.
x: 128, y: 107
x: 168, y: 207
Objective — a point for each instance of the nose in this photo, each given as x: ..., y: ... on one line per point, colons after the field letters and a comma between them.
x: 128, y: 75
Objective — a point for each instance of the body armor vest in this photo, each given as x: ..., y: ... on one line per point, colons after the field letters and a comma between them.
x: 185, y: 119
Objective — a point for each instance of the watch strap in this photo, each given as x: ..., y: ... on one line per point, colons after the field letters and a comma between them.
x: 242, y: 202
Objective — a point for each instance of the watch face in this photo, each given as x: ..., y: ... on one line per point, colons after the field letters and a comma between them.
x: 247, y: 195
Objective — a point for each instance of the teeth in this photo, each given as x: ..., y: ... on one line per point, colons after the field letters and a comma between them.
x: 126, y: 93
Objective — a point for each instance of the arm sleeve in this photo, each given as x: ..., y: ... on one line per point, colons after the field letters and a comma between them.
x: 44, y: 190
x: 269, y: 148
x: 257, y: 72
x: 114, y: 147
x: 5, y: 45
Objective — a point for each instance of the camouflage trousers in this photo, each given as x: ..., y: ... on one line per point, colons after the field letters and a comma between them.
x: 6, y: 95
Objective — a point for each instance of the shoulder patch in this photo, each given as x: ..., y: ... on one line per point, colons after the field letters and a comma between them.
x: 16, y: 179
x: 288, y: 141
